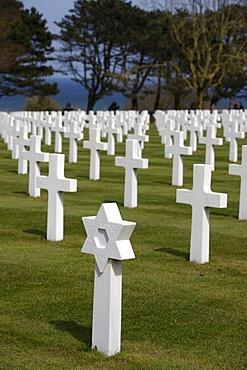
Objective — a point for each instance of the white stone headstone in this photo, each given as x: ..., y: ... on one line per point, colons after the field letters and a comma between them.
x: 195, y: 130
x: 34, y: 156
x: 48, y: 124
x: 241, y: 170
x: 15, y: 135
x: 56, y: 184
x: 110, y: 129
x: 22, y: 142
x: 131, y: 162
x: 58, y: 128
x: 108, y: 240
x: 123, y: 124
x: 232, y: 135
x: 9, y: 137
x: 95, y: 145
x: 166, y: 133
x: 177, y: 150
x: 201, y: 198
x: 74, y: 135
x: 139, y: 134
x: 210, y: 140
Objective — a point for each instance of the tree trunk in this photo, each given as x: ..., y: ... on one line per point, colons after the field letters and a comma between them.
x: 213, y: 102
x: 158, y: 94
x: 134, y: 103
x: 231, y: 102
x: 176, y: 101
x: 199, y: 99
x: 90, y: 102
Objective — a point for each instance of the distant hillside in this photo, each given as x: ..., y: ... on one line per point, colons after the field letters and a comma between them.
x: 73, y: 93
x: 70, y: 92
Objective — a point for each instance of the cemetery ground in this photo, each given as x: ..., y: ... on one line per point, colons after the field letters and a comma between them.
x: 175, y: 314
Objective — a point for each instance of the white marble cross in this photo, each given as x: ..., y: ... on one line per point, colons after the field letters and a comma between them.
x: 177, y: 150
x: 56, y: 184
x: 9, y: 137
x: 210, y: 140
x: 201, y: 198
x: 110, y: 129
x: 122, y: 124
x: 95, y: 145
x: 166, y: 134
x: 195, y: 129
x: 91, y: 119
x: 241, y: 170
x: 139, y: 134
x: 4, y: 119
x: 58, y: 128
x: 108, y: 240
x: 22, y: 142
x: 132, y: 161
x: 33, y: 121
x: 160, y: 119
x: 232, y: 135
x: 48, y: 124
x: 73, y: 134
x: 15, y: 135
x: 34, y: 156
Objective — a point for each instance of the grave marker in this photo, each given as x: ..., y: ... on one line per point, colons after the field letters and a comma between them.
x: 110, y: 129
x: 177, y: 150
x: 232, y: 135
x: 73, y: 134
x: 241, y: 170
x: 108, y: 240
x: 48, y: 124
x: 55, y: 183
x: 166, y: 134
x: 95, y: 145
x: 34, y: 156
x: 201, y: 198
x: 58, y: 128
x: 15, y: 135
x: 132, y: 161
x: 210, y: 140
x: 195, y: 129
x: 139, y: 134
x: 22, y: 142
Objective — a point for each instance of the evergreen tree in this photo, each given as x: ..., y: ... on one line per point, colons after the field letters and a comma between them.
x: 25, y: 50
x: 95, y: 41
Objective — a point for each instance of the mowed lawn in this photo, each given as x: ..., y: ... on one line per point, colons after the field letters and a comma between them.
x: 175, y: 315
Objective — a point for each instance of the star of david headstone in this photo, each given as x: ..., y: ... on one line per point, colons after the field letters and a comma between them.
x: 108, y: 235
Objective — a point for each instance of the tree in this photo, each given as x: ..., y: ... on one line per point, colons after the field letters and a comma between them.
x: 209, y: 42
x: 167, y: 53
x: 41, y: 103
x: 25, y: 50
x: 140, y: 51
x: 233, y: 83
x: 94, y: 37
x: 10, y: 49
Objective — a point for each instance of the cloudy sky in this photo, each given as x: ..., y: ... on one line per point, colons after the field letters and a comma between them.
x: 54, y: 10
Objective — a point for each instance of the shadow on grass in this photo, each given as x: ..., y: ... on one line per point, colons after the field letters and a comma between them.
x: 112, y: 201
x: 35, y: 232
x: 79, y: 332
x: 225, y: 215
x: 174, y: 252
x: 21, y: 192
x: 163, y: 182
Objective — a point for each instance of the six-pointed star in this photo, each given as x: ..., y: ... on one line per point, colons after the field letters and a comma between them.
x: 108, y: 235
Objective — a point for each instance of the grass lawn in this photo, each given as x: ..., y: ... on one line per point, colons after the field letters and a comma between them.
x: 175, y: 315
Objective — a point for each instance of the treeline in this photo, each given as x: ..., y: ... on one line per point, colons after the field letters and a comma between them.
x: 198, y: 49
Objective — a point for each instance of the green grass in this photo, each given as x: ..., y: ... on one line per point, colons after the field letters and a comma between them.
x: 176, y: 314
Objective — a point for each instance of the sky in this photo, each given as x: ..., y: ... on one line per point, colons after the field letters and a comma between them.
x: 55, y: 10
